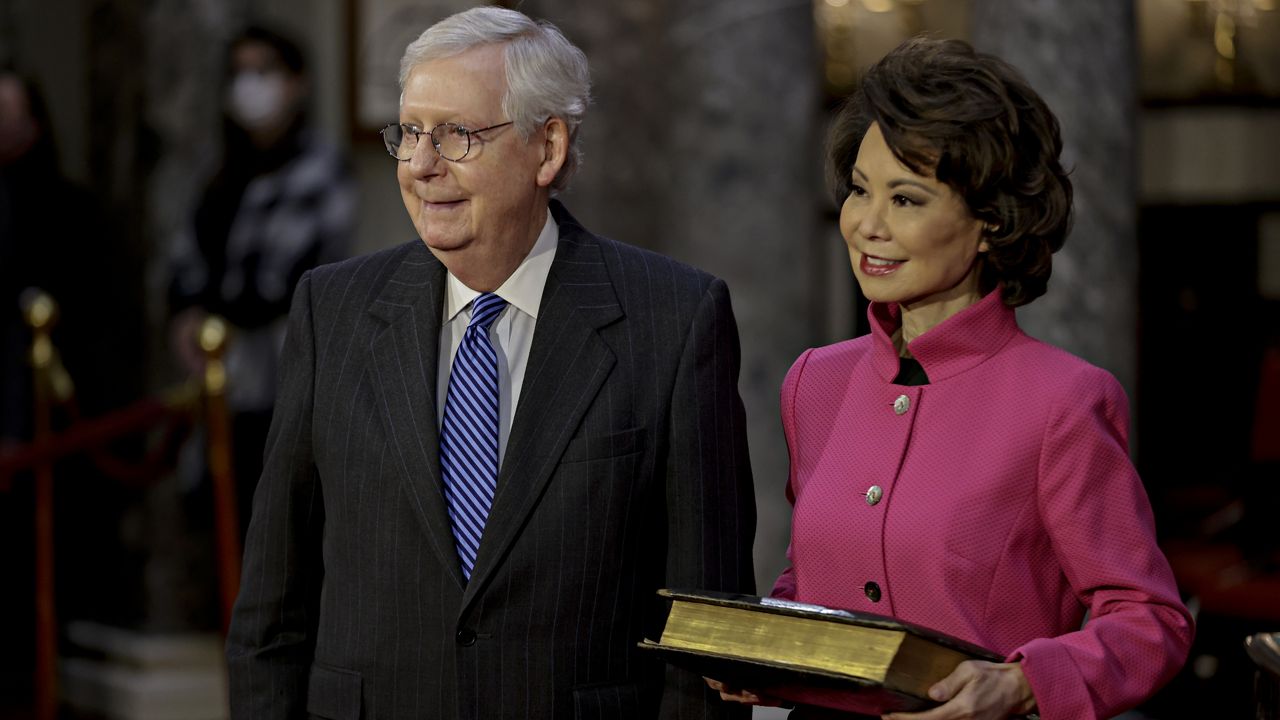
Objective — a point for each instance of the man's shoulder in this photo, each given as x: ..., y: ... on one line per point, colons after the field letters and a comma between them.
x: 653, y: 263
x: 373, y: 264
x: 371, y: 268
x: 626, y: 261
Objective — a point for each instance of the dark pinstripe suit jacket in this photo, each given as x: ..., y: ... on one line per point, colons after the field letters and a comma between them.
x: 626, y: 471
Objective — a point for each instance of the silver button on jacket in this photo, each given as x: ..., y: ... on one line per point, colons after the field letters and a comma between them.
x: 874, y: 493
x: 902, y: 404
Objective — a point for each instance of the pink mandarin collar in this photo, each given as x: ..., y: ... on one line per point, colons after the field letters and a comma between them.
x: 958, y: 343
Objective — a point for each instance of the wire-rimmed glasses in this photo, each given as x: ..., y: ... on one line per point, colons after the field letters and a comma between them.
x: 451, y: 140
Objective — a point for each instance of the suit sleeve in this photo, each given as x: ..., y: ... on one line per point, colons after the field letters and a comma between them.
x: 711, y: 513
x: 272, y: 634
x: 1095, y: 508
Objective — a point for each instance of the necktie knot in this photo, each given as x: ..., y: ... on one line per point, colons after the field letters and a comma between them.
x: 484, y: 310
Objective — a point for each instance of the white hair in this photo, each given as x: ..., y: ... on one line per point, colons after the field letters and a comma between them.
x: 547, y: 75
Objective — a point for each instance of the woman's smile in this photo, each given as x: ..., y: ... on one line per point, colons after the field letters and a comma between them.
x: 872, y: 265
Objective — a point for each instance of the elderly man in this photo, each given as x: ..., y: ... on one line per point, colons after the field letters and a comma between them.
x: 493, y: 444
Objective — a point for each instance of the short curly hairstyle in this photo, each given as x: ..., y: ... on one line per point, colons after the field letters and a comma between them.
x: 973, y: 121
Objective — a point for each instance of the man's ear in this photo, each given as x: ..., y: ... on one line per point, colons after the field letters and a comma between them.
x: 555, y: 150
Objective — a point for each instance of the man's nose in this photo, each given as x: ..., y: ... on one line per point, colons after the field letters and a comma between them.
x: 425, y: 160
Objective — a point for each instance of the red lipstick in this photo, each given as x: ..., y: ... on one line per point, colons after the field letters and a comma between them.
x: 878, y: 267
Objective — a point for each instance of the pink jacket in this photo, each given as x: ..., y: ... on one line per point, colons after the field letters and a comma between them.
x: 997, y: 504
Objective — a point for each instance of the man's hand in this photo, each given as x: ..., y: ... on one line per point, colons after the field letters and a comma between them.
x: 977, y: 690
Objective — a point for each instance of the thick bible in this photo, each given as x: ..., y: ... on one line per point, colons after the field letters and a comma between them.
x: 809, y: 654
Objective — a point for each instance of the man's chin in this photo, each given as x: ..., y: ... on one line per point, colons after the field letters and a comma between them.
x: 451, y: 253
x: 443, y: 243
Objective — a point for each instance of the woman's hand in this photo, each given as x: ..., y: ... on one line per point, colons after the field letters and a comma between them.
x: 739, y: 695
x: 184, y: 339
x: 977, y: 690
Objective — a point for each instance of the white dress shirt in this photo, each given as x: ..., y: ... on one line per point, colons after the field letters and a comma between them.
x: 511, y: 334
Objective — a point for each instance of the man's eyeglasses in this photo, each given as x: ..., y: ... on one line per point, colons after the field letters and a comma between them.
x: 451, y: 140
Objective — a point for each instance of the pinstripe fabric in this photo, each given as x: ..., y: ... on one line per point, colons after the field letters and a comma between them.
x: 469, y: 433
x: 626, y: 470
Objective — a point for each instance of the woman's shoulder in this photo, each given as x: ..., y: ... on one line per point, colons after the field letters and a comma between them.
x: 825, y: 367
x: 820, y: 370
x: 838, y: 357
x: 1060, y: 373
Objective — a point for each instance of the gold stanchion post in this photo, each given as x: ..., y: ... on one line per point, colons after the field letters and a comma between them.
x: 41, y: 313
x: 226, y: 522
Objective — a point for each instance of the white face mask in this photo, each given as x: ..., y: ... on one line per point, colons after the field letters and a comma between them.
x: 257, y: 100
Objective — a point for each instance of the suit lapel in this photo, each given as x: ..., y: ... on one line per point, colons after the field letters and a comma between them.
x: 568, y: 364
x: 404, y: 357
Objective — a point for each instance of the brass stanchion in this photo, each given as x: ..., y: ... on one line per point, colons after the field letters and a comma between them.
x: 226, y: 522
x: 41, y: 313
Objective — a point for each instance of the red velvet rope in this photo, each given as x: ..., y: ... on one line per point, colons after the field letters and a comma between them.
x: 91, y: 436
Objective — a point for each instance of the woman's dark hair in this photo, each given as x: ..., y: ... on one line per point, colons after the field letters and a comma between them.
x: 290, y: 52
x: 240, y: 153
x: 975, y: 122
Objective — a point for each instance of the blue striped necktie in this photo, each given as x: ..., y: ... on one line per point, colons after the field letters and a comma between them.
x: 469, y: 432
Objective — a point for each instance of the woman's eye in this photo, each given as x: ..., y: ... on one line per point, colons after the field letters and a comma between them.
x: 903, y: 201
x: 857, y: 191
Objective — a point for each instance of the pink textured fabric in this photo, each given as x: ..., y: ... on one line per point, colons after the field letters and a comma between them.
x: 1009, y: 506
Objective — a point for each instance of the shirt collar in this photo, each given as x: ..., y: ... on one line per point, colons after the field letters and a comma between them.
x: 954, y: 345
x: 524, y: 288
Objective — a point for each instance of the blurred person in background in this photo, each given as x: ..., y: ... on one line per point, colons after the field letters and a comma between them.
x: 53, y: 237
x: 281, y: 202
x: 31, y: 190
x: 44, y: 221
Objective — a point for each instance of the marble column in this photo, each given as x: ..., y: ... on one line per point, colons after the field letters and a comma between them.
x: 156, y: 79
x: 704, y: 143
x: 745, y: 202
x: 1080, y: 55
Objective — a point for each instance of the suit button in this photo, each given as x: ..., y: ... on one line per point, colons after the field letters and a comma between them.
x: 466, y: 637
x: 874, y: 493
x: 901, y: 405
x: 873, y: 591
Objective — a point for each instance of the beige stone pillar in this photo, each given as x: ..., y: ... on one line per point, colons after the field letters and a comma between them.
x: 704, y: 144
x: 1081, y: 56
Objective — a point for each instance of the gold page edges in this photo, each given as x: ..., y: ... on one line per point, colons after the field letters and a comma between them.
x: 855, y: 651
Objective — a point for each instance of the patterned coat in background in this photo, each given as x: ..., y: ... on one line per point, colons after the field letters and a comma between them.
x: 263, y: 222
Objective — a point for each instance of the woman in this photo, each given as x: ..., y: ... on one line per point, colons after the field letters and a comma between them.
x: 281, y: 202
x: 947, y: 469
